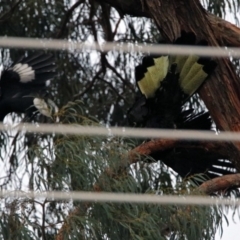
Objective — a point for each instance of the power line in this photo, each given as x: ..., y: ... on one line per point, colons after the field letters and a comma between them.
x: 53, y: 44
x: 124, y: 132
x: 122, y: 198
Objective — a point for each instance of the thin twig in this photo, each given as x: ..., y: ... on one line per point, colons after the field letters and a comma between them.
x: 5, y: 16
x: 67, y: 18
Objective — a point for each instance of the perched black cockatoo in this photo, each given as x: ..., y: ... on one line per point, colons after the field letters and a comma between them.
x: 23, y: 85
x: 165, y: 84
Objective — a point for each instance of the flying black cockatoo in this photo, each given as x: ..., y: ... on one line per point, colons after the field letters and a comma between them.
x: 165, y: 84
x: 23, y: 86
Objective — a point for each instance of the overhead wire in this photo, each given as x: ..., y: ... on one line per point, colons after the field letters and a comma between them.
x: 122, y: 198
x: 123, y: 132
x: 66, y: 45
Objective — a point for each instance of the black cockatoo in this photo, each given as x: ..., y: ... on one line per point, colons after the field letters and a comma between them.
x: 23, y: 86
x: 165, y: 84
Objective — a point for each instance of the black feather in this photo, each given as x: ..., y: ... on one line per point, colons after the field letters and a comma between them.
x: 44, y: 76
x: 222, y: 171
x: 42, y: 65
x: 186, y: 38
x: 139, y: 72
x: 28, y: 59
x: 47, y: 68
x: 16, y: 95
x: 38, y: 58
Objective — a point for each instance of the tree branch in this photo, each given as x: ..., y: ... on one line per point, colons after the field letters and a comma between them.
x: 220, y: 184
x: 66, y: 227
x: 223, y: 29
x: 228, y: 32
x: 5, y: 16
x: 67, y: 18
x: 161, y: 145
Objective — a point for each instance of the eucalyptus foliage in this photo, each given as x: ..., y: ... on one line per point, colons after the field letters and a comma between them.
x: 92, y: 88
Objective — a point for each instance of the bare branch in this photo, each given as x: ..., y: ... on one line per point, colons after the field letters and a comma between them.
x: 161, y: 145
x: 220, y: 184
x: 67, y: 18
x: 5, y: 16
